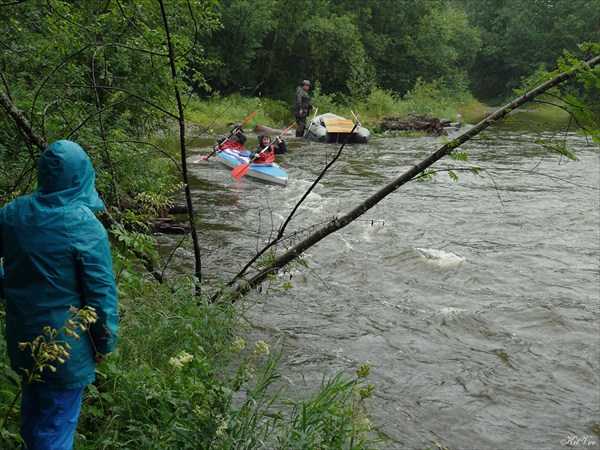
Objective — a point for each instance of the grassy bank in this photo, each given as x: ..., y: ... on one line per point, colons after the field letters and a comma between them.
x: 183, y: 376
x: 216, y: 114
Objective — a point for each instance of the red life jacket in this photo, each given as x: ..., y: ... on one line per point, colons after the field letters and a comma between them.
x: 266, y: 157
x: 233, y: 145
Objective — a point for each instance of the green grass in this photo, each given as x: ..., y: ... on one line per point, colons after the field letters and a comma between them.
x: 183, y: 376
x: 216, y: 114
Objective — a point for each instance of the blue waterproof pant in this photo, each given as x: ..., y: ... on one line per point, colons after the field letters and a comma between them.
x: 49, y: 417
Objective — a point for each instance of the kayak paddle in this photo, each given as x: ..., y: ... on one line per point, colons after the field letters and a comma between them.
x: 240, y: 171
x: 229, y: 137
x: 311, y: 123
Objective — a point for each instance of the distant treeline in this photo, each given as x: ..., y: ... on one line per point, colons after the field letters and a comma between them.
x: 349, y: 47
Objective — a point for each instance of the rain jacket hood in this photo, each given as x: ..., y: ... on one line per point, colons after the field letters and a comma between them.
x: 66, y: 176
x: 56, y: 255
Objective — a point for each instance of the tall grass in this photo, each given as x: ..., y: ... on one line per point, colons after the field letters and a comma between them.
x: 432, y: 99
x: 184, y: 377
x: 216, y: 114
x: 428, y: 99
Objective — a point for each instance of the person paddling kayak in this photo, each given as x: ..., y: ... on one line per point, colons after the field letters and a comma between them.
x: 265, y: 151
x: 235, y: 142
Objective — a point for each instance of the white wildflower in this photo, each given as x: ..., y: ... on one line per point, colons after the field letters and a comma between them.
x: 185, y: 357
x: 176, y: 363
x: 262, y: 348
x: 220, y: 431
x: 239, y: 344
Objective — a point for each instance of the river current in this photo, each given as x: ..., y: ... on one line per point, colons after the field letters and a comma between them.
x: 475, y: 301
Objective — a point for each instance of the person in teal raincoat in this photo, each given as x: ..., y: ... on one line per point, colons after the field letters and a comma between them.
x: 56, y: 256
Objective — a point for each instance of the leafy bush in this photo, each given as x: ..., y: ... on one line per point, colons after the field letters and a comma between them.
x: 381, y: 103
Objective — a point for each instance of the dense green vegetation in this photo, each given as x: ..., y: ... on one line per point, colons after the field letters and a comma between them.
x: 522, y: 37
x: 350, y: 47
x: 108, y: 75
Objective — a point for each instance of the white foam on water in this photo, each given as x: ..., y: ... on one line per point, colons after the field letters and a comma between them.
x: 440, y: 258
x: 451, y: 311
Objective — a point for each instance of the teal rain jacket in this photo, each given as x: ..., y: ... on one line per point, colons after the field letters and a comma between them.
x: 56, y: 254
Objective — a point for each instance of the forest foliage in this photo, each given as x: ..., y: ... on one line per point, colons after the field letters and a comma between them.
x: 350, y: 47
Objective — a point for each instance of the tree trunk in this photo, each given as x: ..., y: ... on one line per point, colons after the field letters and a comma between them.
x: 184, y: 172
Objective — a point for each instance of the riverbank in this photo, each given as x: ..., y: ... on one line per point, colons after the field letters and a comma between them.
x: 215, y: 115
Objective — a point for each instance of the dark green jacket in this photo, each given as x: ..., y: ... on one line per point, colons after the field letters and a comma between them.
x: 302, y: 106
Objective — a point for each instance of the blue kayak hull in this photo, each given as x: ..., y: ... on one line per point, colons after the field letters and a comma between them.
x: 267, y: 173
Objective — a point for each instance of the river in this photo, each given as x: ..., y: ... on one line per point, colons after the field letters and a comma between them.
x: 475, y: 301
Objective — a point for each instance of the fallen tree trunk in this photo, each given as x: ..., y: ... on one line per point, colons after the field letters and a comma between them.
x: 22, y: 123
x: 269, y: 130
x: 169, y: 225
x: 418, y: 123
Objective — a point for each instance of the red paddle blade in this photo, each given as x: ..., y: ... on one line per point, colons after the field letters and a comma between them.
x: 240, y: 171
x: 248, y: 118
x: 287, y: 129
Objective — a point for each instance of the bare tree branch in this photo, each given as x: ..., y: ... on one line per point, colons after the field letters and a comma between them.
x: 22, y: 122
x: 280, y: 233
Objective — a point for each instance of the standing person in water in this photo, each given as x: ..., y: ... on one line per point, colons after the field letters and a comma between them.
x: 265, y: 151
x: 302, y: 107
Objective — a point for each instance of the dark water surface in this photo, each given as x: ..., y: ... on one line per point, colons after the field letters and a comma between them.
x: 476, y: 302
